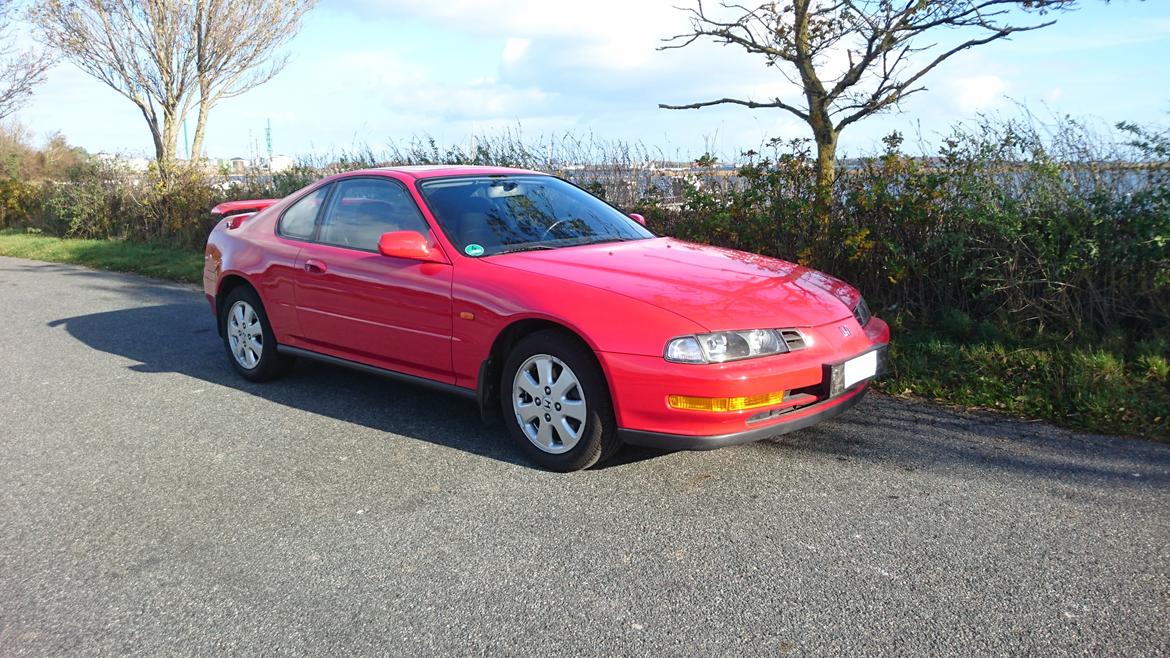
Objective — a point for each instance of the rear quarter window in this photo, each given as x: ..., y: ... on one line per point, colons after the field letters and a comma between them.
x: 300, y: 220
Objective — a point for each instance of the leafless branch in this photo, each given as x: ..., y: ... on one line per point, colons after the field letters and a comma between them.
x: 167, y: 56
x: 236, y: 48
x: 20, y: 69
x: 735, y: 101
x: 878, y: 39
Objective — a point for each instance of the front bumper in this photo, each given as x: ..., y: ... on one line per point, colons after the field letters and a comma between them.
x: 641, y: 385
x: 807, y: 416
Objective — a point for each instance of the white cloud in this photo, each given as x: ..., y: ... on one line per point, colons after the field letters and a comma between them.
x: 604, y: 19
x: 608, y: 34
x: 409, y: 91
x: 978, y: 92
x: 514, y: 50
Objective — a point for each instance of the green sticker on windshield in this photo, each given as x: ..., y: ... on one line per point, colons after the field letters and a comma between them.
x: 473, y: 250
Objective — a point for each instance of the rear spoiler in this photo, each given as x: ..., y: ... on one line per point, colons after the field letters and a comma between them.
x: 237, y: 207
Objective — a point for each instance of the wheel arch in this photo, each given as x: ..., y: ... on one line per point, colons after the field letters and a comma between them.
x: 487, y: 381
x: 227, y: 283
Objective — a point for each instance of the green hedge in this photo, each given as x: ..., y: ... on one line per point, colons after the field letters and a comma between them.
x: 997, y: 228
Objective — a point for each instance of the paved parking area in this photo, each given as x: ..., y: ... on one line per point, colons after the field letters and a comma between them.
x: 153, y: 503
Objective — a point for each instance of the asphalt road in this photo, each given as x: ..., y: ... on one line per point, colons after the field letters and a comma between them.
x: 153, y: 503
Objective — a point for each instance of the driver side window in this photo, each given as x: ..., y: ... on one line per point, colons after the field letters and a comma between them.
x: 363, y: 209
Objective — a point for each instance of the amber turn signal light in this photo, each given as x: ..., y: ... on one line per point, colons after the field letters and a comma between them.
x: 693, y: 403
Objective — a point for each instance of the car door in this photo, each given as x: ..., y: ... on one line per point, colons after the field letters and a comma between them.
x: 277, y: 286
x: 355, y: 303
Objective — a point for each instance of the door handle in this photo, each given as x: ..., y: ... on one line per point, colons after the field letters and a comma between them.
x: 314, y: 266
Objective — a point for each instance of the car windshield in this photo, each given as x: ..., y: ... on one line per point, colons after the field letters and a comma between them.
x: 487, y: 215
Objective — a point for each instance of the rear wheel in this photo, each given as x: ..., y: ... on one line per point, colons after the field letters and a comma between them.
x: 248, y: 337
x: 556, y: 403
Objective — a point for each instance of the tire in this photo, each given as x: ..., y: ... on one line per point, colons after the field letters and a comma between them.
x: 539, y: 404
x: 248, y: 337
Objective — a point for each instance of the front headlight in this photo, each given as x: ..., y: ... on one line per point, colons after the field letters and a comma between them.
x: 724, y: 346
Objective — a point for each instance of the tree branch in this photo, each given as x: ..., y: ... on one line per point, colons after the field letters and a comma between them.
x: 898, y: 91
x: 735, y: 101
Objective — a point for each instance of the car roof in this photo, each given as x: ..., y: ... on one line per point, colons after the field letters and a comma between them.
x: 436, y: 171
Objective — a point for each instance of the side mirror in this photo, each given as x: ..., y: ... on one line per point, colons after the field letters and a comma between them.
x: 638, y: 218
x: 408, y: 244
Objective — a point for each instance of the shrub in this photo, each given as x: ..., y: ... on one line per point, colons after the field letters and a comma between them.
x: 1008, y: 227
x: 81, y: 209
x: 20, y: 201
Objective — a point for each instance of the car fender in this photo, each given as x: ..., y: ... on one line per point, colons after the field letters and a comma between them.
x: 265, y: 262
x: 488, y: 300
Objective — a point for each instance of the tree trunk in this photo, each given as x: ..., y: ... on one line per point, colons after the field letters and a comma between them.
x: 160, y: 148
x: 826, y: 139
x: 167, y: 143
x: 826, y: 160
x: 155, y: 132
x: 200, y: 129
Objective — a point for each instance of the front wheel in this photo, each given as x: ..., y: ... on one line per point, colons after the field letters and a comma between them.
x: 556, y: 403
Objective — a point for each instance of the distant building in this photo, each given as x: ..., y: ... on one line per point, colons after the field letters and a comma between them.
x: 275, y: 165
x: 279, y: 163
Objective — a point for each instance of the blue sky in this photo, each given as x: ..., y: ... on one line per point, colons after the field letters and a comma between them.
x: 367, y: 72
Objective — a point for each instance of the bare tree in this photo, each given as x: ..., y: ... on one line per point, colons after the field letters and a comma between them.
x: 142, y: 50
x: 167, y: 56
x: 874, y: 43
x: 20, y: 69
x: 236, y: 44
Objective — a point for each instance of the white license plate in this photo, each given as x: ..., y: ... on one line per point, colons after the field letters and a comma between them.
x: 862, y: 367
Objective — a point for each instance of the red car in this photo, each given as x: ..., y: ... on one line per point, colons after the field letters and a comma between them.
x: 541, y: 302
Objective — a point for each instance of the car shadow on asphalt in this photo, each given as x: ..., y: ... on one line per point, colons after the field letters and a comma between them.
x: 181, y: 338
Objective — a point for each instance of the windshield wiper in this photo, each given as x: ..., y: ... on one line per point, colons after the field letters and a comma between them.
x: 541, y: 247
x: 612, y: 238
x: 531, y: 247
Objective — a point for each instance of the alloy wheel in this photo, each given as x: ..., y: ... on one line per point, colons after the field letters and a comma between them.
x: 245, y: 335
x: 549, y: 402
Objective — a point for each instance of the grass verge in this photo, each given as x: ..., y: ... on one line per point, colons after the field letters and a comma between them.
x: 117, y: 255
x: 1112, y: 388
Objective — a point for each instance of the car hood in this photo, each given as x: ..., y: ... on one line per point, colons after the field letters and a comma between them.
x: 716, y: 288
